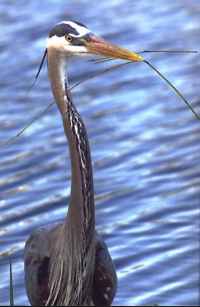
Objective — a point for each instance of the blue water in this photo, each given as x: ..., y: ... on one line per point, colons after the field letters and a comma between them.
x: 145, y: 144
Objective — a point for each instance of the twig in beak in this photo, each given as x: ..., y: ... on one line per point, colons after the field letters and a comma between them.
x: 163, y: 77
x: 173, y: 88
x: 100, y: 73
x: 33, y: 120
x: 168, y: 51
x: 102, y: 60
x: 13, y: 139
x: 105, y: 59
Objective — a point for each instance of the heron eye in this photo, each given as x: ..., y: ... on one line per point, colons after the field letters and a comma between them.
x: 69, y: 38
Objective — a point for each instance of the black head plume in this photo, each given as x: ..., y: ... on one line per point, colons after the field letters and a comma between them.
x: 39, y: 70
x: 41, y: 64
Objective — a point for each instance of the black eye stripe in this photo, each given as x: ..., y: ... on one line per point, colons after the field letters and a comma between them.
x: 80, y: 41
x: 77, y: 42
x: 62, y: 30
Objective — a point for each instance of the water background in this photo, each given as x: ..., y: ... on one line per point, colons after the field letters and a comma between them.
x: 145, y: 144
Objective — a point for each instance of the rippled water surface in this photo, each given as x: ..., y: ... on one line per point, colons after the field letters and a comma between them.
x: 145, y: 144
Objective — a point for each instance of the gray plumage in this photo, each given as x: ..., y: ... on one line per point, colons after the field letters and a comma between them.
x: 69, y: 264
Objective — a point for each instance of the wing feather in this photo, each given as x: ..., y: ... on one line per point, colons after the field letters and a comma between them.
x: 105, y: 278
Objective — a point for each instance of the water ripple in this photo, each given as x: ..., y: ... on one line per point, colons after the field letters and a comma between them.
x: 144, y: 141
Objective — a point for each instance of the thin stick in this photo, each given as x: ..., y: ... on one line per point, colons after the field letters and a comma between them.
x: 169, y: 51
x: 173, y: 88
x: 164, y: 78
x: 106, y: 70
x: 101, y: 60
x: 12, y: 139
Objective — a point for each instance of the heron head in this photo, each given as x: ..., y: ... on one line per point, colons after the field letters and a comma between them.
x: 71, y: 38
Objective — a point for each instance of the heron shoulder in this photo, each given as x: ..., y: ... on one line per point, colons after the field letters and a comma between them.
x: 105, y: 277
x: 36, y: 263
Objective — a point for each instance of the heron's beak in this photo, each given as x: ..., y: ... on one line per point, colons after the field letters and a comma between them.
x: 97, y: 45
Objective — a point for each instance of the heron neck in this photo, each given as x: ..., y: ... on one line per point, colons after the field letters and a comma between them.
x: 81, y: 208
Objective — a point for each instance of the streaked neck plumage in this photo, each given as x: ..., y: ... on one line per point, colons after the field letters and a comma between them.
x: 82, y: 194
x: 80, y: 223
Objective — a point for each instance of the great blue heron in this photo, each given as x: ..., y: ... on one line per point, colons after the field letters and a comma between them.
x: 69, y: 264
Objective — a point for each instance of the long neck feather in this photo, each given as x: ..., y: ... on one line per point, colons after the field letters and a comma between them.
x: 80, y: 223
x: 81, y: 206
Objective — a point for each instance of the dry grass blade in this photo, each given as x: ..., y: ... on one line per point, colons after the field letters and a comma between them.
x: 101, y: 60
x: 168, y: 51
x: 12, y: 140
x: 104, y: 71
x: 178, y: 93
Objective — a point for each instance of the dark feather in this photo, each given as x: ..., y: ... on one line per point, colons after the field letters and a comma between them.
x: 105, y: 279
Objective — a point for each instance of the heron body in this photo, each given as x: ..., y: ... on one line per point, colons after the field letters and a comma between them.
x: 69, y: 264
